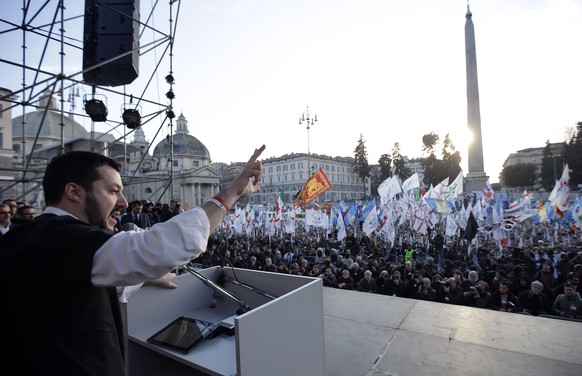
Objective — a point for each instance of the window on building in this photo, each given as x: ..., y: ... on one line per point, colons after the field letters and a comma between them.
x: 292, y: 166
x: 270, y: 169
x: 175, y: 163
x: 278, y: 168
x: 195, y: 164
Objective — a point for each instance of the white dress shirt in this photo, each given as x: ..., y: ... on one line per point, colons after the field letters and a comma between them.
x: 132, y: 257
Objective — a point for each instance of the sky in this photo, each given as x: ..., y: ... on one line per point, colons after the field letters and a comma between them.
x: 386, y: 70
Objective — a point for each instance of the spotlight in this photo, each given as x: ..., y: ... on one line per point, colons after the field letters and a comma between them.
x: 96, y: 110
x: 131, y: 118
x: 170, y: 114
x: 170, y: 95
x: 170, y: 79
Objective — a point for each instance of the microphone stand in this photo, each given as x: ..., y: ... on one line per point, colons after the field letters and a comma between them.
x: 243, y: 308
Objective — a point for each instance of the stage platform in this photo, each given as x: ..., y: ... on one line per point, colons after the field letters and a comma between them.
x: 372, y: 335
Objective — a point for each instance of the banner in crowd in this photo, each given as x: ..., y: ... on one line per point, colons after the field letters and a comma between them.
x: 317, y: 184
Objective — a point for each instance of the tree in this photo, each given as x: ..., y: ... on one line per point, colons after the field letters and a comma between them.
x: 548, y: 172
x: 437, y: 170
x: 400, y: 169
x: 520, y: 175
x: 385, y: 163
x: 451, y: 159
x: 361, y: 166
x: 573, y: 156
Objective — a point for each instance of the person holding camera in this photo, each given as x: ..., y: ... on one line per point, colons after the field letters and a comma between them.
x: 395, y: 286
x: 413, y: 286
x: 478, y: 295
x: 425, y: 291
x: 449, y: 292
x: 175, y: 209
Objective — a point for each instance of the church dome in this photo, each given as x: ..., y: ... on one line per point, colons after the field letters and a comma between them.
x: 51, y: 126
x: 185, y: 145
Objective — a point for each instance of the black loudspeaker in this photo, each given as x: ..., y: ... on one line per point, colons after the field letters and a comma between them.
x: 111, y: 42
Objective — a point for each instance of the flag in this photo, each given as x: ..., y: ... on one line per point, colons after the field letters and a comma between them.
x: 440, y: 189
x: 316, y: 218
x: 279, y: 207
x: 388, y: 189
x: 371, y: 222
x: 410, y: 183
x: 370, y: 205
x: 561, y: 193
x: 488, y: 192
x: 472, y: 227
x: 455, y: 188
x: 440, y: 206
x: 341, y: 227
x: 317, y: 184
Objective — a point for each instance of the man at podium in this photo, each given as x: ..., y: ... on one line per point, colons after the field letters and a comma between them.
x: 64, y: 318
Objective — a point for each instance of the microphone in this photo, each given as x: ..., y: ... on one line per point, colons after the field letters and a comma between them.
x: 243, y: 308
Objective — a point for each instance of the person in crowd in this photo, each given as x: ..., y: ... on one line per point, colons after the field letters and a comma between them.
x: 449, y: 292
x: 345, y: 282
x: 80, y: 262
x: 413, y: 286
x: 173, y: 210
x: 356, y: 273
x: 211, y: 257
x: 328, y: 277
x: 546, y: 276
x: 12, y: 206
x: 254, y: 264
x: 503, y: 299
x: 289, y: 256
x: 572, y: 279
x: 426, y: 292
x: 340, y: 266
x: 367, y: 284
x: 472, y: 279
x: 569, y: 304
x: 5, y: 223
x: 269, y: 266
x: 477, y: 295
x: 282, y: 268
x: 395, y: 286
x: 137, y: 216
x: 534, y: 301
x: 24, y: 214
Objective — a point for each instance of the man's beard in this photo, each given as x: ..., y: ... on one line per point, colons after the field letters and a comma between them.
x: 93, y: 212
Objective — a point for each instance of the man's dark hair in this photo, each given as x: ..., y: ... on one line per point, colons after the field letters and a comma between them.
x: 79, y: 167
x: 22, y: 208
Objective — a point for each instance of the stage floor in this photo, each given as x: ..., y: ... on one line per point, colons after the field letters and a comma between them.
x: 372, y: 335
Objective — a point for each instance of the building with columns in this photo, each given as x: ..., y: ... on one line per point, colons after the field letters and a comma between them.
x: 186, y: 159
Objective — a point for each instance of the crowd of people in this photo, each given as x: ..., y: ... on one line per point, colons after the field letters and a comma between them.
x: 536, y: 279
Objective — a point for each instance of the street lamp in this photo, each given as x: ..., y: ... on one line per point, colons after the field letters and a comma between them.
x: 307, y: 119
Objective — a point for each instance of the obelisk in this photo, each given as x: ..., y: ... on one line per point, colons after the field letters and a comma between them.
x: 476, y: 179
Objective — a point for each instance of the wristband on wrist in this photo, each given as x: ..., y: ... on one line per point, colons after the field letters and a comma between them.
x: 225, y: 207
x: 220, y: 206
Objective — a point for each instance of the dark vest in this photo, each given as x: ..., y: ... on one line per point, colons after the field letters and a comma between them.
x: 55, y: 321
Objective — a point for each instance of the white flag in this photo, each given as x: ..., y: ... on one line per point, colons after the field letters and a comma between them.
x: 410, y: 183
x: 455, y: 188
x: 388, y: 189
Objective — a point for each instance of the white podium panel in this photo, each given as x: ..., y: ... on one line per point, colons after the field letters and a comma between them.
x: 285, y: 322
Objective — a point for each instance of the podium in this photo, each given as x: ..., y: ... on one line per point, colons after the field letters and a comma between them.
x: 282, y: 334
